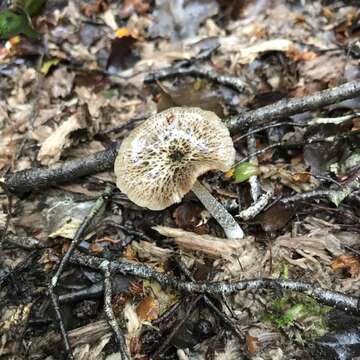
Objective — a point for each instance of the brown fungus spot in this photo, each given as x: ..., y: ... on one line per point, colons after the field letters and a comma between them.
x: 160, y: 160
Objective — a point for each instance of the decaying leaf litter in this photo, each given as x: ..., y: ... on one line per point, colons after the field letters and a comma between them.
x: 101, y: 68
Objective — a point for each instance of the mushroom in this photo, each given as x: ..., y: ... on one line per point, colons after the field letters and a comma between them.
x: 160, y: 161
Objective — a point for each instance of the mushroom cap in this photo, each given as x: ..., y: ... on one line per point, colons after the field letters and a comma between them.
x: 160, y: 160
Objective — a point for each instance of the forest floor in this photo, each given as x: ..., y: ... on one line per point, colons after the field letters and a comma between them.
x: 93, y: 71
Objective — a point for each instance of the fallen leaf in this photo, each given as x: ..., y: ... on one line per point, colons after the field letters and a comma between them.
x: 109, y: 19
x: 319, y: 242
x: 252, y: 343
x: 275, y: 218
x: 189, y: 94
x: 348, y: 262
x: 207, y: 244
x: 301, y: 177
x: 188, y: 217
x: 148, y: 309
x: 298, y: 55
x: 246, y: 55
x: 94, y: 8
x: 180, y: 19
x: 60, y: 83
x: 64, y: 216
x: 146, y: 250
x: 134, y: 6
x: 48, y: 64
x: 51, y: 149
x: 324, y: 68
x: 14, y: 317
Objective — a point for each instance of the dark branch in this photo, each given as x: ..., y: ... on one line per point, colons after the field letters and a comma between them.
x: 288, y: 107
x: 227, y: 80
x: 36, y: 178
x: 334, y: 299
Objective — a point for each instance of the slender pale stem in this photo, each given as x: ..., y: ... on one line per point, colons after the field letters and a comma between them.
x: 223, y: 217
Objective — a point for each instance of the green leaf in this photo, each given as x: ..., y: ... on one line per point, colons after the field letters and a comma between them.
x: 45, y: 67
x: 12, y: 24
x: 291, y: 315
x: 244, y: 171
x: 31, y: 7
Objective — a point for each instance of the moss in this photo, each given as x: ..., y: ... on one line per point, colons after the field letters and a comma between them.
x: 285, y: 310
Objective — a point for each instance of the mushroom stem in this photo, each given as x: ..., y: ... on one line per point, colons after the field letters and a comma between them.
x: 223, y: 217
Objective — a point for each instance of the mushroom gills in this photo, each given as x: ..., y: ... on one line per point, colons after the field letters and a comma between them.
x: 220, y: 214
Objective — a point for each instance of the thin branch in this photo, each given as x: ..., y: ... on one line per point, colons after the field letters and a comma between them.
x: 255, y: 188
x: 110, y: 313
x: 98, y: 207
x: 308, y: 195
x: 165, y: 344
x: 272, y: 125
x: 37, y: 178
x: 334, y: 299
x: 231, y: 81
x: 257, y: 207
x: 288, y: 107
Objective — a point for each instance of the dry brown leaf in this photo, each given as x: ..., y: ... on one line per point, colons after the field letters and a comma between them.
x: 348, y: 262
x: 248, y: 54
x: 298, y: 55
x: 188, y: 217
x: 275, y: 217
x: 94, y: 102
x: 146, y: 250
x: 52, y: 147
x: 207, y: 244
x: 252, y: 343
x: 319, y: 242
x: 148, y: 309
x: 60, y: 83
x: 138, y: 6
x: 324, y: 68
x: 94, y: 8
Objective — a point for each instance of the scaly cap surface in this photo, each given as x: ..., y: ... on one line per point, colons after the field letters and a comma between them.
x: 160, y: 160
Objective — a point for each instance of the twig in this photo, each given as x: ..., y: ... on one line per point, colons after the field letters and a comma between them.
x: 308, y: 195
x: 128, y: 230
x: 207, y: 300
x: 255, y: 188
x: 92, y: 292
x: 266, y: 127
x: 167, y: 316
x: 95, y: 210
x: 227, y: 80
x: 36, y: 178
x: 266, y: 148
x: 257, y: 207
x: 222, y: 316
x: 288, y: 107
x: 109, y: 311
x: 188, y: 312
x: 334, y: 299
x: 23, y: 242
x: 346, y: 189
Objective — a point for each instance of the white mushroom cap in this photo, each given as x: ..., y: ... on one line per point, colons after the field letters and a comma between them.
x: 160, y: 160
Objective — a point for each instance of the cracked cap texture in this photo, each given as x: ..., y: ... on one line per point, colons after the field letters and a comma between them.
x: 160, y: 160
